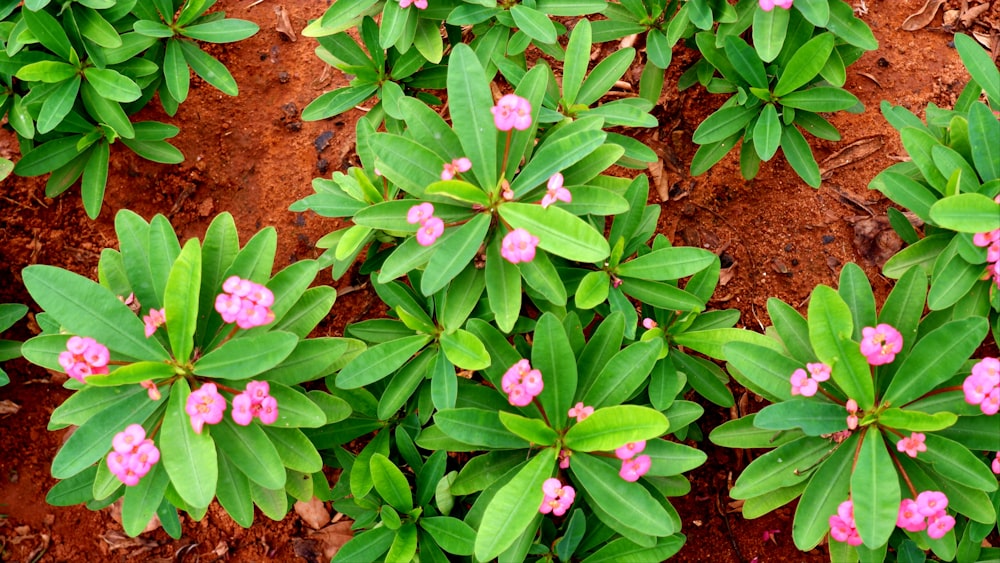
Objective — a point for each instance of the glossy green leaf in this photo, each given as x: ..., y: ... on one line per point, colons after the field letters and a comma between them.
x: 722, y: 124
x: 464, y: 350
x: 379, y: 361
x: 743, y: 433
x: 983, y: 126
x: 781, y: 467
x: 513, y: 507
x: 454, y: 254
x: 533, y: 430
x: 829, y: 487
x: 243, y: 358
x: 815, y: 418
x: 233, y: 492
x: 623, y: 374
x: 967, y: 213
x: 552, y: 355
x: 470, y: 101
x: 846, y: 26
x: 769, y: 30
x: 955, y: 462
x: 820, y: 99
x: 188, y: 457
x: 221, y: 31
x: 614, y: 426
x: 979, y: 65
x: 799, y: 156
x: 874, y: 490
x: 209, y: 68
x: 478, y: 427
x: 252, y: 451
x: 141, y: 501
x: 628, y: 503
x: 534, y: 23
x: 390, y: 483
x: 558, y: 231
x: 451, y: 534
x: 830, y: 330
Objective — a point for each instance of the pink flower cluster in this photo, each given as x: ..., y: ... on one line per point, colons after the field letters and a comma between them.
x: 133, y: 455
x: 768, y: 5
x: 803, y: 384
x: 255, y: 401
x: 420, y: 4
x: 912, y: 445
x: 244, y: 302
x: 842, y: 526
x: 205, y: 405
x: 431, y: 227
x: 633, y: 465
x: 983, y: 386
x: 521, y: 383
x: 927, y: 512
x: 991, y: 241
x: 558, y: 497
x: 880, y: 344
x: 154, y: 320
x: 556, y: 191
x: 512, y: 112
x: 852, y: 414
x: 84, y: 356
x: 995, y: 466
x: 580, y: 412
x: 518, y: 246
x: 455, y: 167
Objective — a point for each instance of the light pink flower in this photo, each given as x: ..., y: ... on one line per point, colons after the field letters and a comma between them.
x: 151, y: 389
x: 260, y: 295
x: 802, y: 384
x: 84, y: 357
x: 852, y: 414
x: 518, y: 396
x: 580, y: 412
x: 991, y: 404
x: 132, y: 456
x: 512, y: 112
x: 634, y: 468
x: 842, y: 527
x: 939, y: 525
x: 649, y: 324
x: 429, y: 231
x: 913, y: 444
x: 268, y: 412
x: 228, y: 306
x: 930, y: 502
x: 819, y: 371
x: 252, y: 315
x: 237, y: 286
x: 910, y: 519
x: 556, y: 191
x: 205, y: 405
x: 630, y: 449
x: 131, y: 437
x: 154, y: 320
x: 558, y: 497
x: 995, y: 466
x: 242, y: 409
x: 519, y: 246
x: 420, y: 4
x: 521, y: 383
x: 880, y: 344
x: 420, y: 213
x: 565, y: 454
x: 982, y: 387
x: 768, y: 5
x: 455, y: 167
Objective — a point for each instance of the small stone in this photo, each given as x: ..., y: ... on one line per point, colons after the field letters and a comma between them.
x: 323, y: 140
x: 49, y: 519
x: 789, y: 247
x: 827, y: 239
x: 283, y: 77
x: 322, y: 165
x: 294, y: 126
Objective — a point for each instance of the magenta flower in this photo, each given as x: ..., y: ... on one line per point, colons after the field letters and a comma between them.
x: 982, y: 387
x: 580, y: 412
x: 880, y: 344
x: 205, y: 405
x: 268, y: 412
x: 429, y: 231
x: 133, y: 455
x: 995, y: 466
x: 420, y: 4
x: 420, y: 213
x: 512, y: 112
x: 939, y: 525
x: 842, y: 527
x: 910, y: 519
x: 242, y: 409
x: 802, y: 384
x: 154, y: 320
x: 630, y: 449
x: 83, y: 357
x: 558, y: 497
x: 518, y: 246
x: 768, y: 5
x: 521, y: 383
x: 556, y: 191
x: 634, y: 468
x: 151, y: 389
x: 913, y: 444
x: 930, y: 502
x: 649, y: 324
x: 255, y: 401
x: 455, y: 167
x: 245, y: 303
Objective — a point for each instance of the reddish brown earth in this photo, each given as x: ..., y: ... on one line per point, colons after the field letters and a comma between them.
x: 253, y: 157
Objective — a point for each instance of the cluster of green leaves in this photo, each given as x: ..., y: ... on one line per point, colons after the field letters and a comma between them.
x: 9, y: 349
x: 793, y: 70
x: 241, y: 466
x: 950, y: 184
x: 71, y: 74
x: 920, y: 391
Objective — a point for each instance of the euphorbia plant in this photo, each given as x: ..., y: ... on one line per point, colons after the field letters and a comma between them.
x: 9, y: 349
x: 870, y: 423
x: 201, y: 397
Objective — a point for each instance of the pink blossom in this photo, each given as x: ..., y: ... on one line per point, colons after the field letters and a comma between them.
x: 242, y: 409
x: 556, y: 191
x: 228, y: 306
x: 151, y: 389
x: 982, y: 387
x: 237, y: 286
x: 913, y: 444
x: 154, y: 320
x: 131, y: 437
x: 245, y: 303
x: 521, y: 383
x: 505, y: 191
x: 988, y: 368
x: 629, y: 450
x: 580, y: 412
x: 453, y: 168
x: 991, y: 404
x: 880, y: 344
x: 268, y: 412
x: 768, y: 5
x: 205, y: 405
x: 819, y: 371
x: 842, y: 527
x: 995, y: 466
x: 802, y: 384
x: 252, y: 315
x: 533, y: 382
x: 512, y: 112
x: 260, y: 295
x: 558, y: 497
x: 910, y: 519
x: 429, y: 231
x: 634, y: 468
x: 255, y: 401
x: 564, y: 456
x: 519, y: 246
x: 939, y: 525
x: 930, y: 502
x: 84, y: 357
x: 852, y: 414
x: 519, y: 397
x: 132, y: 456
x: 420, y: 213
x: 420, y: 4
x: 649, y: 324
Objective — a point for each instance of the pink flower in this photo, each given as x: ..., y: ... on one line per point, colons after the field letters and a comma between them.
x: 237, y: 286
x: 649, y: 324
x: 768, y: 5
x: 564, y: 456
x: 268, y: 412
x: 151, y: 389
x: 519, y: 246
x: 802, y: 384
x: 455, y: 167
x: 205, y: 405
x: 995, y: 466
x: 558, y: 497
x: 842, y: 526
x: 228, y: 306
x: 988, y: 368
x: 913, y: 444
x: 245, y: 303
x: 634, y: 468
x: 521, y: 383
x: 420, y: 4
x: 580, y: 412
x: 991, y: 404
x: 260, y: 295
x: 420, y: 213
x: 910, y: 519
x: 852, y: 414
x: 255, y: 401
x: 131, y: 437
x: 556, y: 191
x: 84, y: 357
x: 880, y: 344
x: 429, y: 231
x: 819, y: 371
x: 519, y: 397
x: 512, y: 112
x: 939, y: 525
x: 132, y: 456
x: 154, y: 320
x: 629, y: 450
x: 242, y: 409
x: 930, y: 502
x: 982, y: 387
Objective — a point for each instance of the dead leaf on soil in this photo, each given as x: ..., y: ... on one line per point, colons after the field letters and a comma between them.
x: 313, y: 513
x: 333, y: 537
x: 116, y: 513
x: 726, y: 274
x: 284, y: 26
x: 972, y: 13
x: 118, y: 540
x: 662, y: 189
x: 855, y: 151
x: 875, y: 240
x: 922, y: 17
x: 9, y: 407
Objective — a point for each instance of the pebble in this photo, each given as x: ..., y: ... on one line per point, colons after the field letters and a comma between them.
x: 827, y: 239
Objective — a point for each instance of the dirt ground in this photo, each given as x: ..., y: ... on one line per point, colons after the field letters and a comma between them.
x: 253, y: 156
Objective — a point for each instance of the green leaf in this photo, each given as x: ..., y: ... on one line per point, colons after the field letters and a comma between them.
x: 982, y: 69
x: 77, y: 489
x: 916, y: 421
x: 723, y: 124
x: 95, y: 177
x: 615, y: 426
x: 593, y: 290
x: 746, y: 61
x: 552, y: 355
x: 189, y: 458
x: 451, y: 534
x: 828, y: 488
x: 295, y: 449
x: 535, y: 24
x: 815, y: 418
x: 234, y: 492
x: 370, y: 544
x: 181, y: 300
x: 577, y: 60
x: 48, y: 156
x: 48, y: 32
x: 712, y: 341
x: 555, y: 154
x: 769, y: 30
x: 470, y: 101
x: 221, y: 31
x: 967, y: 213
x: 622, y: 375
x: 820, y: 99
x: 503, y: 287
x: 767, y: 133
x: 874, y: 490
x: 94, y: 27
x: 558, y: 231
x: 830, y: 330
x: 627, y: 503
x: 464, y: 350
x: 454, y: 254
x: 955, y: 462
x: 477, y: 427
x: 209, y: 68
x: 243, y: 358
x: 252, y: 451
x: 781, y: 467
x: 390, y: 483
x: 662, y: 295
x: 460, y: 191
x: 800, y: 156
x: 604, y: 75
x: 108, y: 112
x: 141, y: 501
x: 533, y: 430
x: 337, y: 101
x: 513, y: 507
x: 920, y: 145
x: 667, y: 264
x: 112, y: 85
x: 543, y: 277
x: 743, y: 433
x: 46, y: 71
x: 846, y: 26
x: 176, y: 74
x: 805, y: 64
x: 983, y: 126
x: 133, y: 373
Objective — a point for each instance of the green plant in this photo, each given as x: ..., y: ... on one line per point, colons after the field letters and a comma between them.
x: 72, y: 73
x: 9, y: 349
x: 168, y: 388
